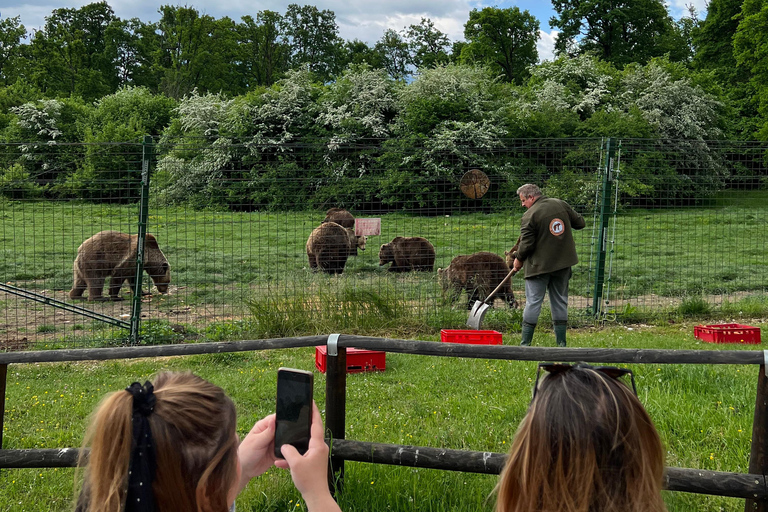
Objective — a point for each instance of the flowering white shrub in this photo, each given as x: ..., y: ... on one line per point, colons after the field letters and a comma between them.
x: 289, y: 110
x: 41, y: 120
x: 203, y: 114
x: 359, y: 105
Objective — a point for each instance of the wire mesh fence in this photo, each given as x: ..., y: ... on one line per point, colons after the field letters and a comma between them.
x: 233, y: 220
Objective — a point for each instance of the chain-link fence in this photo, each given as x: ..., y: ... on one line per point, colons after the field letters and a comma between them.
x: 674, y: 220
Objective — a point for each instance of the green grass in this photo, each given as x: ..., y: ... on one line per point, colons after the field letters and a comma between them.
x: 703, y: 412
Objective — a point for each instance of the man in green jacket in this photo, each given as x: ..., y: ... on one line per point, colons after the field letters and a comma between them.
x: 546, y: 252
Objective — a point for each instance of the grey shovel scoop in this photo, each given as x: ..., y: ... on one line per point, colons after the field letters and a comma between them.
x: 480, y: 308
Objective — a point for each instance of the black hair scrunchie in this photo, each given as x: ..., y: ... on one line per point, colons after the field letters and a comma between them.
x: 143, y: 464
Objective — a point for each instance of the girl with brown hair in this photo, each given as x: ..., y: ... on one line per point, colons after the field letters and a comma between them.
x: 585, y: 445
x: 173, y: 446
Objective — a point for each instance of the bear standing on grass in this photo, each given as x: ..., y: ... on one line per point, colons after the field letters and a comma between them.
x: 113, y: 254
x: 341, y: 217
x: 408, y: 253
x: 478, y: 274
x: 329, y: 245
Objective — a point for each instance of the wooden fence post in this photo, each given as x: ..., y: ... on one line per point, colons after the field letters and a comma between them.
x: 335, y: 406
x: 3, y: 378
x: 758, y: 460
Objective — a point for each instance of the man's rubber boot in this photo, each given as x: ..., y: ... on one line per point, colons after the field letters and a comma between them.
x: 560, y: 326
x: 527, y: 334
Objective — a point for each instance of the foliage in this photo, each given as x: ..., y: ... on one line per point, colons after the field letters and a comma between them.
x: 427, y: 45
x: 12, y: 32
x: 393, y: 49
x: 70, y: 55
x: 263, y: 57
x: 619, y: 33
x: 502, y: 39
x: 15, y: 183
x: 751, y: 50
x: 312, y: 36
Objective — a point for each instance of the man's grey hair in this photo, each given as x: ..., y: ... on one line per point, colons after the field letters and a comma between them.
x: 529, y: 190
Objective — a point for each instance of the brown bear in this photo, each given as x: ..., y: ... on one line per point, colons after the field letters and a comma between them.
x: 478, y: 274
x: 355, y: 242
x: 510, y: 255
x: 329, y: 245
x: 408, y: 253
x: 113, y: 254
x: 341, y: 217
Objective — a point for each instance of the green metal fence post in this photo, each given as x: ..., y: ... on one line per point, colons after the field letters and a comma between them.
x: 146, y: 157
x: 605, y: 203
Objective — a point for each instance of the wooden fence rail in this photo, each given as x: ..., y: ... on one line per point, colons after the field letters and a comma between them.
x: 753, y: 486
x: 715, y: 483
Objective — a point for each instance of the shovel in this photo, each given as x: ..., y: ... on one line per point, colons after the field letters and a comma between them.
x: 480, y: 308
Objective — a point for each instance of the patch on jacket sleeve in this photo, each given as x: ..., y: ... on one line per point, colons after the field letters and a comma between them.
x: 557, y: 227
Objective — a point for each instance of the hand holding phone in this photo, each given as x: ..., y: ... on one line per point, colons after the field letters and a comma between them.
x: 293, y: 419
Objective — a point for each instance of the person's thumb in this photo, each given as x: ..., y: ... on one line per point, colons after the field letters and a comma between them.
x: 290, y: 453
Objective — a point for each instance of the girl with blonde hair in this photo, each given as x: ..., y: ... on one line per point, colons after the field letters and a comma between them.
x: 173, y: 446
x: 585, y: 445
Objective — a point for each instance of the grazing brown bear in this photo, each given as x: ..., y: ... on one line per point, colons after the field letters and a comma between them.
x: 355, y: 242
x: 478, y: 274
x: 329, y: 245
x: 113, y: 254
x: 408, y: 253
x: 341, y: 217
x: 510, y: 255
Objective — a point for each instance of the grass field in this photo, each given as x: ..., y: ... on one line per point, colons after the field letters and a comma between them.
x: 658, y: 261
x: 704, y: 415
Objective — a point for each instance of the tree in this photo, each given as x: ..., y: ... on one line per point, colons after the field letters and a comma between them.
x: 71, y: 55
x: 263, y: 56
x: 358, y: 52
x: 427, y: 45
x: 750, y: 45
x: 312, y: 36
x: 195, y: 52
x: 502, y: 39
x: 618, y: 32
x: 394, y: 53
x: 713, y: 38
x: 132, y: 43
x: 12, y: 32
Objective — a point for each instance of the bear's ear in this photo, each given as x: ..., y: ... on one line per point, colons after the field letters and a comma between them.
x: 151, y: 242
x: 506, y: 253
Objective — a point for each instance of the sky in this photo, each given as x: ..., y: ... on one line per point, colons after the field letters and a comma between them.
x: 361, y: 19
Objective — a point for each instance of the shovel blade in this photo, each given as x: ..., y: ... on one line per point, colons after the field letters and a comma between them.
x: 479, y: 309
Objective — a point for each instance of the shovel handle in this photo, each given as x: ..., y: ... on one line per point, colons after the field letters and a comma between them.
x: 490, y: 295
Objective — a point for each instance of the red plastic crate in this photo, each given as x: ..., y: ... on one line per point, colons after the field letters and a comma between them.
x: 358, y: 360
x: 727, y: 333
x: 470, y: 336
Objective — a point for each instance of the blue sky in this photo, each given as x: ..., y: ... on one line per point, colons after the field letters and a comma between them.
x: 361, y: 19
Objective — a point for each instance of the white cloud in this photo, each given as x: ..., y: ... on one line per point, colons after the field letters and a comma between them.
x: 679, y: 8
x: 546, y: 45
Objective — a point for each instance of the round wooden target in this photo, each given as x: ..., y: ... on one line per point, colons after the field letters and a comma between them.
x: 475, y: 184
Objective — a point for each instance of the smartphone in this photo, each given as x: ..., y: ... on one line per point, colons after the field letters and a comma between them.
x: 294, y: 409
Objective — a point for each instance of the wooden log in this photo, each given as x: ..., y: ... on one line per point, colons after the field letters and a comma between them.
x: 46, y: 458
x: 428, y: 348
x: 592, y: 355
x: 758, y: 456
x: 186, y: 349
x: 715, y: 483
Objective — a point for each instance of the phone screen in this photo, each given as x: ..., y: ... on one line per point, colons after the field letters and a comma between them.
x: 294, y: 409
